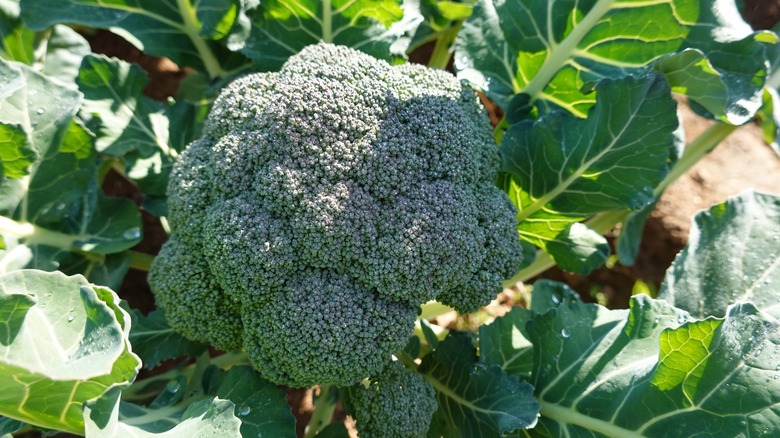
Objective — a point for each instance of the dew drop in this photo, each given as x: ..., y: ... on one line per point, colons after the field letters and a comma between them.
x: 40, y: 111
x: 243, y: 410
x: 71, y: 318
x: 656, y: 321
x: 565, y: 333
x: 555, y: 299
x: 461, y: 62
x: 173, y: 386
x: 132, y: 233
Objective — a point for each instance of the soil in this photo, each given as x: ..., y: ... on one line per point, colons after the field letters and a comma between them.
x: 743, y: 161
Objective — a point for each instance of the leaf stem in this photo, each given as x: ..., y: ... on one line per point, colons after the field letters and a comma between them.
x: 442, y: 50
x: 191, y: 29
x: 140, y: 261
x: 561, y: 53
x: 603, y: 222
x: 323, y: 410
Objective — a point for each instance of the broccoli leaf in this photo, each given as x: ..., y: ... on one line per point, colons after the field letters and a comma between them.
x: 260, y: 404
x: 651, y: 369
x: 114, y: 109
x: 552, y: 51
x: 733, y: 254
x: 66, y: 342
x: 109, y: 417
x: 564, y: 169
x: 188, y: 29
x: 475, y: 399
x: 232, y: 403
x: 281, y: 28
x: 55, y: 213
x: 154, y: 340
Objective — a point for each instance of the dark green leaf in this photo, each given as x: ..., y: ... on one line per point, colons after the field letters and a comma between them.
x: 334, y: 430
x: 564, y: 169
x: 553, y: 50
x: 72, y: 346
x: 260, y: 404
x: 281, y: 28
x: 651, y: 370
x: 116, y: 111
x: 143, y: 22
x: 504, y: 343
x: 154, y: 340
x: 733, y: 254
x: 475, y: 399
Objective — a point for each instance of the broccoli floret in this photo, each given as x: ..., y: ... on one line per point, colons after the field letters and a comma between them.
x: 398, y: 404
x: 323, y: 205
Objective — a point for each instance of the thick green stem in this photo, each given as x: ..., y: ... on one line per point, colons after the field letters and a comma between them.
x: 603, y: 222
x: 323, y: 410
x: 442, y: 51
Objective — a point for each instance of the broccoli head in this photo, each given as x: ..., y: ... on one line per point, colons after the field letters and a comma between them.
x: 323, y: 205
x: 398, y: 404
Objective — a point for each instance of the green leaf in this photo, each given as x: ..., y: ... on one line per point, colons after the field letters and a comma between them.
x: 16, y: 152
x: 71, y: 345
x: 260, y: 404
x: 115, y: 109
x: 504, y: 343
x: 769, y: 118
x: 13, y: 309
x: 16, y: 41
x: 650, y: 370
x: 154, y: 340
x: 58, y: 207
x: 553, y: 50
x: 475, y: 399
x: 281, y: 28
x: 108, y: 417
x: 733, y: 254
x: 57, y: 50
x: 564, y: 169
x: 142, y: 22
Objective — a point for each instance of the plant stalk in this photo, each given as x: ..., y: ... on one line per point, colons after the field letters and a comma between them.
x: 442, y: 50
x: 140, y: 261
x: 323, y: 410
x: 603, y: 222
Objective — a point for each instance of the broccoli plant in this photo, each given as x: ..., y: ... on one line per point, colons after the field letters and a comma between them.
x: 310, y: 201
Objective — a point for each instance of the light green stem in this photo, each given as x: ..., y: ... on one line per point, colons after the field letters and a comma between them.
x: 442, y: 50
x: 33, y: 234
x: 562, y: 53
x: 323, y: 410
x: 191, y: 29
x: 140, y: 261
x: 603, y: 222
x: 327, y: 21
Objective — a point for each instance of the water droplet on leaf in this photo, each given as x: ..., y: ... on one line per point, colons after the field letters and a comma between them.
x: 565, y: 333
x: 40, y: 111
x: 132, y: 233
x: 243, y: 410
x: 173, y: 386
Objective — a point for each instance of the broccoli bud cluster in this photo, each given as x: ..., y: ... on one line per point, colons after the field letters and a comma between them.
x: 399, y: 404
x: 323, y: 205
